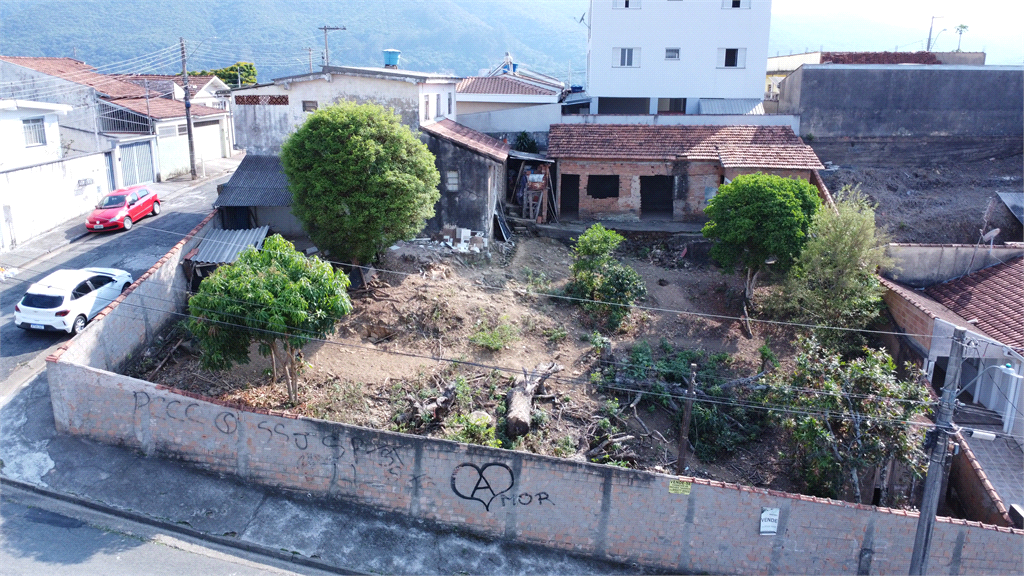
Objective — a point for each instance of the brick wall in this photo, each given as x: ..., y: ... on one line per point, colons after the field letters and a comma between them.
x: 973, y: 488
x: 911, y: 319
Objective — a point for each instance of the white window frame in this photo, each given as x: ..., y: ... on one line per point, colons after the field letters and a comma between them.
x: 426, y: 106
x: 668, y: 53
x: 310, y: 105
x: 452, y: 180
x: 166, y: 131
x: 728, y: 5
x: 35, y: 131
x: 621, y: 55
x: 183, y: 129
x: 625, y: 4
x: 741, y: 58
x: 450, y: 99
x: 437, y: 101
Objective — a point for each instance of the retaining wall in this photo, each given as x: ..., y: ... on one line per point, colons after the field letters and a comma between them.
x: 678, y: 524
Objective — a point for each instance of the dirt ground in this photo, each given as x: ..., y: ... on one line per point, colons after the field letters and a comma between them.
x: 398, y: 347
x: 944, y: 204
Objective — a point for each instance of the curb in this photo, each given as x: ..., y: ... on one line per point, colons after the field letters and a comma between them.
x: 178, y: 528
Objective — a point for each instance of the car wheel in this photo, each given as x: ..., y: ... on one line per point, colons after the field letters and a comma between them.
x: 125, y: 287
x: 79, y: 325
x: 156, y: 208
x: 127, y: 223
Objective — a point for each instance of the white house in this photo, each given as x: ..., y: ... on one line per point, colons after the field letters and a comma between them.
x: 266, y: 114
x: 677, y: 56
x: 29, y: 133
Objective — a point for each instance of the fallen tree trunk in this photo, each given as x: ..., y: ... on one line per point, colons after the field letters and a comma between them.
x: 520, y: 397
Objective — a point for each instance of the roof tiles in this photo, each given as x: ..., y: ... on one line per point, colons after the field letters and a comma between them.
x: 994, y: 295
x: 469, y: 138
x: 79, y: 73
x: 500, y: 85
x: 736, y: 146
x: 163, y: 108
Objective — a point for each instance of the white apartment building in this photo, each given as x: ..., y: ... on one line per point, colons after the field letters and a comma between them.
x: 677, y: 56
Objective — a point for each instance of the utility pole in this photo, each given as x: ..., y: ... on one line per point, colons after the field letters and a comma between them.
x: 188, y: 112
x: 310, y: 51
x: 937, y: 458
x: 327, y: 51
x: 684, y: 426
x: 930, y: 26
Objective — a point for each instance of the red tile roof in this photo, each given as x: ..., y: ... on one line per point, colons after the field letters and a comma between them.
x: 922, y: 302
x: 994, y: 295
x: 469, y: 138
x: 164, y: 108
x: 740, y: 146
x: 79, y: 73
x: 195, y: 84
x: 500, y: 85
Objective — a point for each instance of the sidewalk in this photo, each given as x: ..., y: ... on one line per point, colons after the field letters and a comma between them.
x: 332, y: 535
x: 23, y: 255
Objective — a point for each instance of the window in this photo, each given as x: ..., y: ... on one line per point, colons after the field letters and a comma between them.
x: 452, y: 180
x: 437, y: 100
x: 166, y: 131
x: 732, y: 57
x: 35, y: 132
x: 81, y: 290
x: 671, y: 105
x: 100, y: 281
x: 733, y: 4
x: 182, y: 129
x: 671, y: 53
x: 603, y: 186
x: 202, y: 123
x: 449, y: 102
x: 627, y: 57
x: 309, y: 105
x: 626, y: 4
x: 426, y: 106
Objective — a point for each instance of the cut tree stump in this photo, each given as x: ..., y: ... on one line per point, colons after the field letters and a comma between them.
x: 520, y: 397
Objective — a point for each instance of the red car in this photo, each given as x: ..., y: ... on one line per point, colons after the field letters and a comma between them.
x: 122, y: 208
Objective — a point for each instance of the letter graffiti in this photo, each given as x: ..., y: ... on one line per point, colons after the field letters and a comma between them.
x: 525, y: 499
x: 489, y: 481
x: 141, y: 399
x: 226, y: 422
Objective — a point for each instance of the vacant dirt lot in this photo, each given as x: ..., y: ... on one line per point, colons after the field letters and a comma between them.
x: 943, y: 204
x: 408, y: 340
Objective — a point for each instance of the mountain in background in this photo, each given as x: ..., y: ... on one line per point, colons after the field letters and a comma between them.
x: 452, y: 36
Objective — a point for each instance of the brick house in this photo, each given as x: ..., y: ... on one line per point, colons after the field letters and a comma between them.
x: 633, y: 172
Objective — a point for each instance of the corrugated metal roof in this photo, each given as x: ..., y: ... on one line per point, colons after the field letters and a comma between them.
x: 224, y: 246
x: 258, y: 181
x: 730, y: 106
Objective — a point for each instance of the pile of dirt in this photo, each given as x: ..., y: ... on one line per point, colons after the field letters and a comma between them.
x: 942, y: 204
x: 409, y: 343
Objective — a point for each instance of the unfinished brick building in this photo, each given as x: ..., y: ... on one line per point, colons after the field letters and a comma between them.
x: 633, y: 172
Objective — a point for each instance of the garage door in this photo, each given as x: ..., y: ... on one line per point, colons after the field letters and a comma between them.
x: 136, y: 164
x: 206, y: 136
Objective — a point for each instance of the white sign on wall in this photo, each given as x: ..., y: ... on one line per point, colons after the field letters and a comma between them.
x: 769, y: 521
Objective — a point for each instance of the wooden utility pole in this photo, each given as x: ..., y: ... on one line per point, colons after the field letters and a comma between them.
x: 684, y: 426
x: 188, y: 112
x: 937, y: 458
x: 327, y: 50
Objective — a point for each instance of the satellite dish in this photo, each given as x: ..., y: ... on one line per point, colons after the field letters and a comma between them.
x: 988, y: 236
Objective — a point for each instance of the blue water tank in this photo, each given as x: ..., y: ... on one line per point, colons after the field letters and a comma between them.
x: 391, y: 58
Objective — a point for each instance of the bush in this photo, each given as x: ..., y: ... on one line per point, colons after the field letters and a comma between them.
x: 471, y: 432
x: 605, y: 287
x: 496, y: 338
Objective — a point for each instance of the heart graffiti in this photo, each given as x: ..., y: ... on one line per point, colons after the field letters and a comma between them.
x: 487, y: 481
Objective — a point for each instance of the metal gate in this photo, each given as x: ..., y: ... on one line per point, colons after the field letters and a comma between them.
x: 136, y: 163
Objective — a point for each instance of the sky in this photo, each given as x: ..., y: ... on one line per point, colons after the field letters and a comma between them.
x: 994, y: 26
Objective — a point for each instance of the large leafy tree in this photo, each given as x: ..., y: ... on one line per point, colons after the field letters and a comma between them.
x: 847, y: 416
x: 275, y: 297
x: 244, y: 72
x: 360, y: 180
x: 758, y: 218
x: 833, y: 282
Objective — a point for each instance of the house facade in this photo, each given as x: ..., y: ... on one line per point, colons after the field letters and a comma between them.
x: 266, y: 114
x: 632, y: 172
x: 677, y: 57
x: 29, y: 133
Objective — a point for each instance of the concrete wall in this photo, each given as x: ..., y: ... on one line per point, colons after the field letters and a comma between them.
x: 973, y: 489
x: 261, y: 128
x: 921, y: 265
x: 481, y: 183
x: 14, y: 152
x: 914, y: 150
x: 280, y: 219
x: 38, y: 198
x: 835, y: 100
x: 537, y: 118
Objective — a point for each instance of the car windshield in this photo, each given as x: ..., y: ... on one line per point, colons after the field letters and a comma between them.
x: 111, y: 202
x: 44, y: 301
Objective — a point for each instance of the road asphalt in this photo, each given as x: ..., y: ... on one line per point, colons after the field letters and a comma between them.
x: 311, y: 535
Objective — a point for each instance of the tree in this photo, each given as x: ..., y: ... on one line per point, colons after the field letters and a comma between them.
x: 833, y: 281
x: 272, y: 296
x: 525, y: 142
x: 848, y: 416
x: 231, y: 75
x: 759, y: 219
x: 360, y: 180
x: 960, y: 35
x: 604, y: 286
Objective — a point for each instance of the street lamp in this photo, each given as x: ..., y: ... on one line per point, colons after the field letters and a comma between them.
x: 930, y: 26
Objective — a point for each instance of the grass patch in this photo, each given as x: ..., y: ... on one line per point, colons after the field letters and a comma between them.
x: 496, y: 338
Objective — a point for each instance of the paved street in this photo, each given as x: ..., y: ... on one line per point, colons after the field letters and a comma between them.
x: 135, y: 251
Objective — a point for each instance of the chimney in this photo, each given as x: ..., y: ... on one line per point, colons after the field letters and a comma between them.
x: 391, y: 58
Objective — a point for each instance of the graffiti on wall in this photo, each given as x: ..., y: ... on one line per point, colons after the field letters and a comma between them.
x: 490, y: 482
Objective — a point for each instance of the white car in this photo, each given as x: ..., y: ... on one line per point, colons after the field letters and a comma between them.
x: 67, y: 299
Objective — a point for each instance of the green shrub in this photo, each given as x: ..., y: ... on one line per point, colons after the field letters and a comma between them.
x: 605, y: 287
x: 470, y: 432
x: 556, y: 334
x: 496, y: 338
x: 640, y: 360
